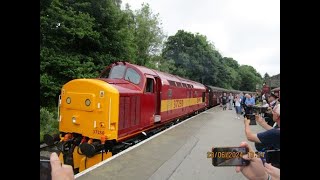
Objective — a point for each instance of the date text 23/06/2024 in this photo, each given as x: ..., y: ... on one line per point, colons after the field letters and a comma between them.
x: 229, y: 155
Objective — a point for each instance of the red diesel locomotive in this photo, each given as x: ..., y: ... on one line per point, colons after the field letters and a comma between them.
x: 100, y: 116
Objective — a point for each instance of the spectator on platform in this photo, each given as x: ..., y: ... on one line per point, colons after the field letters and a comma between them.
x: 230, y: 99
x: 255, y: 98
x: 269, y: 139
x: 242, y: 104
x: 224, y: 101
x: 272, y: 100
x: 237, y: 106
x: 249, y: 102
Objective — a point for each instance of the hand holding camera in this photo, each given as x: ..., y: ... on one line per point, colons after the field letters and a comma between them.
x: 251, y: 119
x: 258, y: 170
x: 259, y: 119
x: 53, y: 169
x: 246, y: 121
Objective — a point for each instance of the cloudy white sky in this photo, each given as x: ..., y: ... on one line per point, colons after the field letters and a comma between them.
x: 246, y: 30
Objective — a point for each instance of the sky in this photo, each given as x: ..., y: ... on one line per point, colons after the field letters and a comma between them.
x: 246, y: 30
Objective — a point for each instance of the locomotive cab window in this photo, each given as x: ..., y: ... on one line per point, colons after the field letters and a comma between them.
x: 117, y: 72
x: 132, y: 76
x: 149, y: 85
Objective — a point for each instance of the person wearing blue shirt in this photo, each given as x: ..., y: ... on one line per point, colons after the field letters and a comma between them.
x: 254, y: 99
x: 249, y: 100
x: 248, y: 104
x: 270, y: 138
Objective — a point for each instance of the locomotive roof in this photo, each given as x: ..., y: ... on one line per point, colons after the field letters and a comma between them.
x: 229, y: 90
x: 168, y: 77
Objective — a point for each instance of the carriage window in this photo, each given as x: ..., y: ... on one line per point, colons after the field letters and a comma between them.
x: 132, y: 76
x: 149, y: 86
x: 117, y: 72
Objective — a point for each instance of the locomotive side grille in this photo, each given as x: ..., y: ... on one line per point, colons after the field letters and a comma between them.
x: 129, y: 112
x: 121, y: 113
x: 137, y: 106
x: 133, y: 110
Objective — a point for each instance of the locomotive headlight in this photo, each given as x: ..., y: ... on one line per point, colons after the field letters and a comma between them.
x: 68, y: 100
x: 87, y: 102
x: 74, y: 120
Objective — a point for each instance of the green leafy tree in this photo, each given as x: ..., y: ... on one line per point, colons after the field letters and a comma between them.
x: 250, y: 78
x: 63, y: 35
x: 266, y: 77
x: 233, y: 79
x: 148, y: 34
x: 193, y: 55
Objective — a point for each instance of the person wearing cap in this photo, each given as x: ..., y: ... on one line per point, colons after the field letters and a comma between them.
x: 272, y: 99
x: 269, y: 139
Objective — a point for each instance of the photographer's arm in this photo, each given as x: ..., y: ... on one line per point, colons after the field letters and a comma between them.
x: 250, y: 136
x: 263, y: 123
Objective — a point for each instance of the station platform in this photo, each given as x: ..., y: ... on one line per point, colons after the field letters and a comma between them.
x: 179, y: 152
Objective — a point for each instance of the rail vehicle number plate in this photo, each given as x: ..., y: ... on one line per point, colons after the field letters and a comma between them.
x: 178, y: 103
x: 98, y: 132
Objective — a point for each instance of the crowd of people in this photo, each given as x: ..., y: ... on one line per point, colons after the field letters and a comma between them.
x: 264, y: 141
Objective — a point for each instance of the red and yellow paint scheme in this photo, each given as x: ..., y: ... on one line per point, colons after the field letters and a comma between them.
x: 126, y: 100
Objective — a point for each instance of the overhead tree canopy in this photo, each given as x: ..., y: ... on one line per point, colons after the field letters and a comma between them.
x: 79, y: 38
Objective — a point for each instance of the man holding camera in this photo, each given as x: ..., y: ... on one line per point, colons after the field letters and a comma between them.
x: 272, y: 100
x: 269, y: 139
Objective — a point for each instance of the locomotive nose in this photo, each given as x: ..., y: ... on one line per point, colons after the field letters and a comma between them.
x: 89, y: 107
